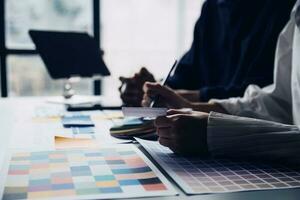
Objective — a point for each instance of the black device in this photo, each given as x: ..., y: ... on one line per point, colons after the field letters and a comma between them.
x: 69, y: 54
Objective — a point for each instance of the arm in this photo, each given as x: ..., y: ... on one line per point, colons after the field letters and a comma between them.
x: 186, y: 74
x: 257, y: 50
x: 224, y: 92
x: 273, y: 103
x: 221, y: 135
x: 240, y: 137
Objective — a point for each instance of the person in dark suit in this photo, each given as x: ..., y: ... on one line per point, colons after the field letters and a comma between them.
x: 234, y: 46
x: 264, y: 124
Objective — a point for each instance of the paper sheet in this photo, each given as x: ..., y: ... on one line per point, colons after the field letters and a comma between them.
x: 201, y: 176
x: 75, y: 100
x: 77, y: 120
x: 104, y: 173
x: 144, y: 112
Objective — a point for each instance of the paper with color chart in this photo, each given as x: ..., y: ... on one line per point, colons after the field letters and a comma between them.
x: 105, y: 173
x: 144, y: 112
x: 200, y: 176
x: 77, y: 121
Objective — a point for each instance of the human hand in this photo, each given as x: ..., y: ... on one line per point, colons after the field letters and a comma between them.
x: 164, y: 95
x: 184, y: 132
x: 131, y: 89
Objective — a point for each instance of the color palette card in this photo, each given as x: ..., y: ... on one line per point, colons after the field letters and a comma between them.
x: 200, y: 176
x: 106, y: 173
x: 83, y: 130
x: 71, y: 143
x: 77, y: 121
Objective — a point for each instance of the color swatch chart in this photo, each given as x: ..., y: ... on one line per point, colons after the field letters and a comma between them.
x: 120, y: 172
x: 200, y: 176
x: 81, y: 125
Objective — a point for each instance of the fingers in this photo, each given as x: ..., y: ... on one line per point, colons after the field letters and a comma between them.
x: 164, y: 128
x: 166, y: 142
x: 146, y: 75
x: 163, y: 122
x: 131, y: 100
x: 165, y: 133
x: 124, y: 79
x: 149, y: 93
x: 179, y: 111
x: 151, y: 90
x: 166, y: 95
x: 183, y: 133
x: 131, y: 89
x: 154, y: 87
x: 144, y: 71
x: 146, y: 101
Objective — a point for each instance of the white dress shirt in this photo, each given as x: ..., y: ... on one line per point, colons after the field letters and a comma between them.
x: 274, y: 133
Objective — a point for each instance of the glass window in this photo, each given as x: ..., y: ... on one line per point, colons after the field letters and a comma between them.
x: 0, y: 77
x: 65, y: 15
x: 134, y: 33
x: 27, y: 76
x: 150, y: 33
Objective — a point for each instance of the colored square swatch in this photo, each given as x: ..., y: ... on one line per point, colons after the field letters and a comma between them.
x: 78, y: 173
x: 200, y: 176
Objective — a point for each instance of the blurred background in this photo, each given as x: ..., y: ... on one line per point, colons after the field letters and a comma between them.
x: 132, y: 33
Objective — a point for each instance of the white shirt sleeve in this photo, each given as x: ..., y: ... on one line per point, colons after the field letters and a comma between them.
x: 241, y: 137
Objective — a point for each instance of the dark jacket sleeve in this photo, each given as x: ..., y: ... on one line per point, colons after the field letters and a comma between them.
x: 257, y: 51
x: 186, y: 75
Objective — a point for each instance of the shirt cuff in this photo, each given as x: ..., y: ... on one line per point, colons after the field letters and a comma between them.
x: 234, y: 136
x: 230, y: 105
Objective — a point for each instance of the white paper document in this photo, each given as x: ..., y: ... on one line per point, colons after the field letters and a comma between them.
x: 144, y: 112
x: 76, y: 100
x: 110, y: 172
x: 196, y: 175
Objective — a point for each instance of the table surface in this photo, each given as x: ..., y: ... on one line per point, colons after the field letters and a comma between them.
x: 14, y: 109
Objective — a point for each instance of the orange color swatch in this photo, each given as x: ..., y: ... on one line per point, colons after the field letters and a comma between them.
x: 71, y: 143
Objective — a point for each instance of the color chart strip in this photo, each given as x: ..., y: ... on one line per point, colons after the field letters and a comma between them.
x: 118, y: 172
x: 201, y: 176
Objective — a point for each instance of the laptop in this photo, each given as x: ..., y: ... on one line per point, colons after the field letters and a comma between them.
x: 69, y: 54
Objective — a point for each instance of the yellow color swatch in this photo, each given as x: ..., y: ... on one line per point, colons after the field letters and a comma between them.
x: 71, y: 143
x: 107, y: 184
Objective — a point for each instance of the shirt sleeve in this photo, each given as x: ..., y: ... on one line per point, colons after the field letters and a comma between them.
x: 223, y: 92
x: 240, y: 137
x: 256, y: 61
x: 186, y: 75
x: 274, y: 102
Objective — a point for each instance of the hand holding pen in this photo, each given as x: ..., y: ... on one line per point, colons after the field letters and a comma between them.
x: 160, y: 95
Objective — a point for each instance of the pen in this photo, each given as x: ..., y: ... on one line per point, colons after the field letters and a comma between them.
x: 164, y: 82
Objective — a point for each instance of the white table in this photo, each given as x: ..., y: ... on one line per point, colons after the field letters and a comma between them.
x: 13, y: 112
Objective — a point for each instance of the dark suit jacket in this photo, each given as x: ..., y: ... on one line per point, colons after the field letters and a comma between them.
x: 234, y: 46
